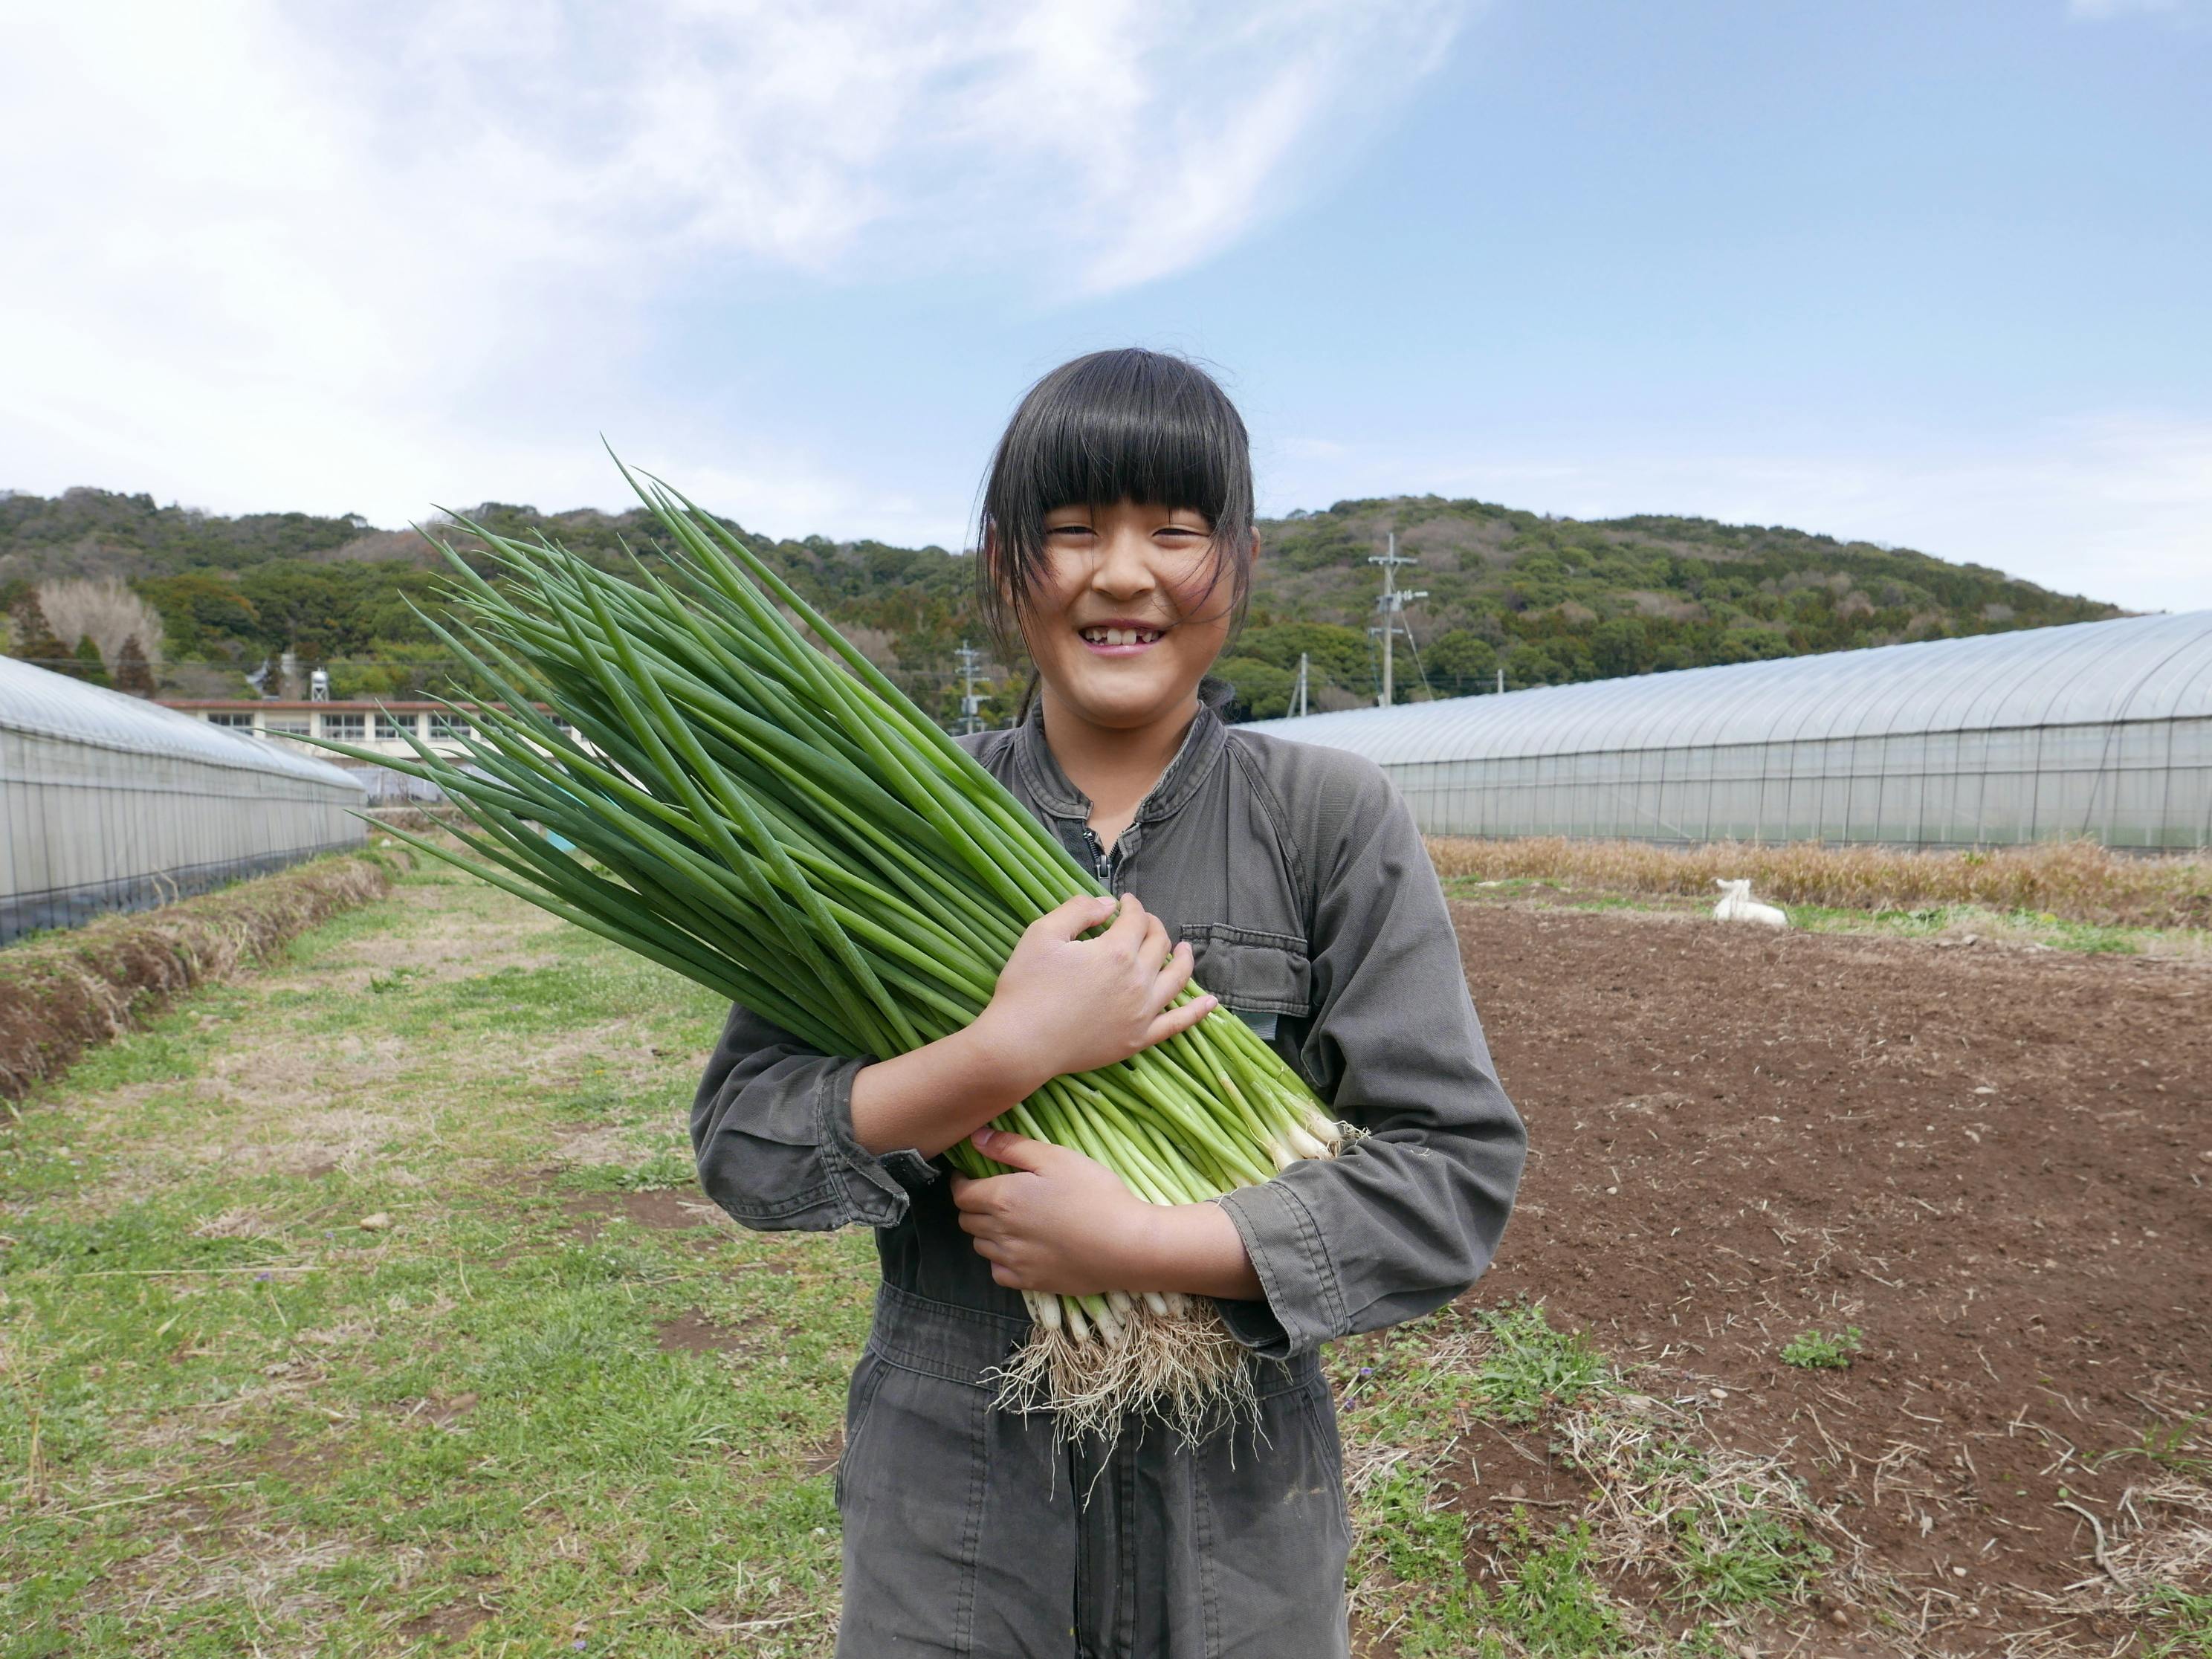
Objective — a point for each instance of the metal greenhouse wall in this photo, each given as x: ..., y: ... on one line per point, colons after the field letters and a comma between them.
x: 109, y: 803
x: 2097, y: 729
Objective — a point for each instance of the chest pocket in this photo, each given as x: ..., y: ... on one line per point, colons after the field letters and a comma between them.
x: 1257, y: 976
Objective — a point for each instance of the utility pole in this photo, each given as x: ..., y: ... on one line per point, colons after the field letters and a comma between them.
x: 969, y: 702
x: 1298, y: 693
x: 1392, y: 606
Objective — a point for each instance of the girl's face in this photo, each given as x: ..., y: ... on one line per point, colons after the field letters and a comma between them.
x: 1126, y: 616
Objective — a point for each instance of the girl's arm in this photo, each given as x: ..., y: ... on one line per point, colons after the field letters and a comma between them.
x: 787, y: 1137
x: 1062, y: 1003
x: 1410, y: 1213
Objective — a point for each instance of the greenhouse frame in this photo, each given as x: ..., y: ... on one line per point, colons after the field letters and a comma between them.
x: 2099, y: 730
x: 108, y: 802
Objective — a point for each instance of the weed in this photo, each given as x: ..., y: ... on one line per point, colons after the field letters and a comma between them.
x: 1816, y: 1351
x: 1422, y: 1543
x: 1530, y: 1368
x: 1551, y: 1603
x: 398, y: 979
x: 1733, y: 1552
x: 2178, y: 1447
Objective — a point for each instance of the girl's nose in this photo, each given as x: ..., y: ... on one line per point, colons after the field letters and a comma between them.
x: 1125, y: 567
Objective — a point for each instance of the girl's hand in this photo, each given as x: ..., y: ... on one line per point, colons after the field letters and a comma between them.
x: 1060, y: 1222
x: 1064, y: 1004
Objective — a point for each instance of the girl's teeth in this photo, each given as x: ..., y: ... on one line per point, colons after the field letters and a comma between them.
x: 1119, y: 636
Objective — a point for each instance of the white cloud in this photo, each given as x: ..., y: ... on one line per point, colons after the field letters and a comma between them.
x: 348, y: 256
x: 2118, y: 507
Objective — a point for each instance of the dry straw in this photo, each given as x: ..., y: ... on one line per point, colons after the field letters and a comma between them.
x: 2073, y: 880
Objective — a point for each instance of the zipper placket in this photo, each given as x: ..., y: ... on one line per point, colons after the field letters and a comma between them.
x: 1106, y: 865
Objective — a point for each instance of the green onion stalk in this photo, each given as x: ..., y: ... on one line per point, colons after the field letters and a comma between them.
x: 671, y: 763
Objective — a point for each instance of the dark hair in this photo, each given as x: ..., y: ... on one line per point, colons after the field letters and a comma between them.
x: 1131, y: 424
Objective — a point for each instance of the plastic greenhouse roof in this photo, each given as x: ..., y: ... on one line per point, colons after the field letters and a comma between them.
x: 2135, y: 668
x: 51, y: 705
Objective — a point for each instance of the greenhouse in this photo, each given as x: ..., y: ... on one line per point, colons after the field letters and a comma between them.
x: 108, y: 802
x: 2097, y: 729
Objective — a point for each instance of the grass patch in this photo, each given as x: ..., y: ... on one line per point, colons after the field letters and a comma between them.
x: 1733, y: 1552
x: 234, y: 1420
x: 670, y: 1170
x: 2014, y: 927
x: 1549, y: 1603
x: 1529, y: 1369
x: 2179, y: 1620
x: 2042, y: 928
x: 1678, y: 1543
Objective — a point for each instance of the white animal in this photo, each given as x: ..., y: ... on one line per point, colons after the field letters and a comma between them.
x: 1737, y: 905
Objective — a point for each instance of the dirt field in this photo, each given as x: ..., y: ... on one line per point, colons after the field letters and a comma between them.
x: 1997, y: 1163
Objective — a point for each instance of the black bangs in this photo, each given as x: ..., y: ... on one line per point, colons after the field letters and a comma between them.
x: 1134, y: 425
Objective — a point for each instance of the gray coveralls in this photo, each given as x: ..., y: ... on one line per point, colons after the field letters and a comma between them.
x: 1298, y: 875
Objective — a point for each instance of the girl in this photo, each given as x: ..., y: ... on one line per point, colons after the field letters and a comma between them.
x: 1117, y: 538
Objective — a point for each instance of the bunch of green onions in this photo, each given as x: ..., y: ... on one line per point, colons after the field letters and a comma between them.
x: 780, y: 823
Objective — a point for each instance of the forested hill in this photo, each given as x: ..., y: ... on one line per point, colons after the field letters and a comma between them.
x: 1542, y: 599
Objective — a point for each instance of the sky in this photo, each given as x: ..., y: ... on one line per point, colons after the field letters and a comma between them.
x: 1931, y: 273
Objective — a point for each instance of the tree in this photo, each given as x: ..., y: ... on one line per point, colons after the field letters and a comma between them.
x: 1460, y: 662
x: 1340, y: 654
x: 89, y: 667
x: 35, y: 637
x: 133, y: 673
x: 1530, y: 664
x: 200, y: 609
x: 1751, y: 645
x: 1263, y: 691
x: 1621, y: 647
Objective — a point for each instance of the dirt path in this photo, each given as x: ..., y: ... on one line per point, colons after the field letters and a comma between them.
x: 1996, y: 1164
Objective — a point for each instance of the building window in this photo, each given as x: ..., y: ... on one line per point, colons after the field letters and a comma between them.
x: 289, y: 725
x: 448, y: 728
x: 240, y: 722
x: 345, y: 727
x: 393, y: 728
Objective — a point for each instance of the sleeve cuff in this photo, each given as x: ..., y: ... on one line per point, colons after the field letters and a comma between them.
x: 871, y: 1190
x: 1304, y: 1305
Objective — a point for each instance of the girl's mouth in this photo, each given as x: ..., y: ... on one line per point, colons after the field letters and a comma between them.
x: 1106, y: 641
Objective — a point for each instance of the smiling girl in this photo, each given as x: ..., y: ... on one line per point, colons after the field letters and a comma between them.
x: 1118, y: 543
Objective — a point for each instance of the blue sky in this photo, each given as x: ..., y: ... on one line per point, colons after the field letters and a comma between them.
x: 1930, y: 274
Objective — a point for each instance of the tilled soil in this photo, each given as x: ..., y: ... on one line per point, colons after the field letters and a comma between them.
x: 1996, y: 1163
